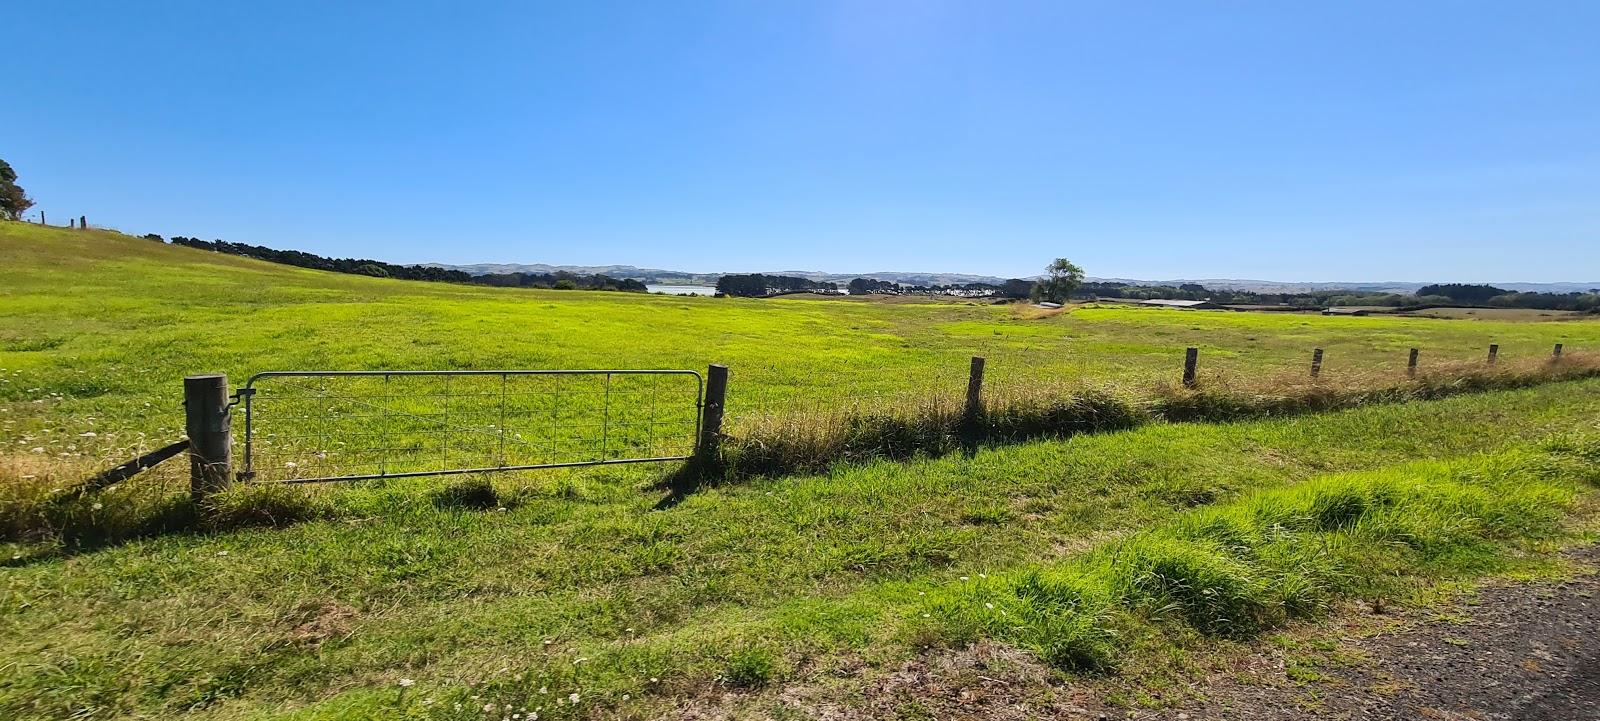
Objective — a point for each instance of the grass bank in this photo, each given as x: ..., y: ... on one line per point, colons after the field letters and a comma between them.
x: 736, y: 588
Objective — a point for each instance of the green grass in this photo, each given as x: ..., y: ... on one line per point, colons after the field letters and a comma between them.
x: 96, y: 329
x: 742, y: 586
x: 313, y: 603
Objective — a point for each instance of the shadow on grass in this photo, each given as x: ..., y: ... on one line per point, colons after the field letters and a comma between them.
x: 79, y: 523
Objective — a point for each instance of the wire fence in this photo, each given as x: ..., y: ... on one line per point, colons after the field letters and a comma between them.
x: 320, y: 426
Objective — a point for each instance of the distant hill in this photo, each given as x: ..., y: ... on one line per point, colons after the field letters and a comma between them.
x: 657, y: 275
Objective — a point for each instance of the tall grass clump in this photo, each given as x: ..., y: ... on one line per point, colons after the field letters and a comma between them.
x: 1263, y: 560
x: 45, y: 501
x: 42, y: 500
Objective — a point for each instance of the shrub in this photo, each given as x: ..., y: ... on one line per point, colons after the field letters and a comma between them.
x: 474, y: 493
x: 261, y: 505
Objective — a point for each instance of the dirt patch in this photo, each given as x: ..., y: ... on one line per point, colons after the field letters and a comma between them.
x: 315, y: 622
x: 1527, y: 652
x: 1515, y: 652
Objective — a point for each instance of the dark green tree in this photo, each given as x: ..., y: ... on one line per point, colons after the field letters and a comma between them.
x: 14, y: 201
x: 1062, y: 277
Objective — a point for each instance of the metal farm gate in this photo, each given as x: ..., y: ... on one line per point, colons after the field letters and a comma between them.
x: 316, y: 426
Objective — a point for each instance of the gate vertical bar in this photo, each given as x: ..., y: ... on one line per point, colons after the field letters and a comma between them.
x: 605, y: 419
x: 555, y: 421
x: 503, y: 379
x: 249, y: 471
x: 446, y: 426
x: 650, y: 433
x: 388, y: 400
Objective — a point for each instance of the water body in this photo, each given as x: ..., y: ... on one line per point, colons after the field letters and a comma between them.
x: 682, y: 289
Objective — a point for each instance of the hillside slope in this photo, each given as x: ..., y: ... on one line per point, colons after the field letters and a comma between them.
x: 97, y: 324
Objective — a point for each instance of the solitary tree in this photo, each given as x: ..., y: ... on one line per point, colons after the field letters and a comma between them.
x: 1061, y: 278
x: 13, y: 201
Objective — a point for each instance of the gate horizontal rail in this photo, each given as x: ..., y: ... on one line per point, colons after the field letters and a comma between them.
x: 324, y: 426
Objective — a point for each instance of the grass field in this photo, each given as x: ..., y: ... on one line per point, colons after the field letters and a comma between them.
x: 97, y: 329
x: 571, y: 594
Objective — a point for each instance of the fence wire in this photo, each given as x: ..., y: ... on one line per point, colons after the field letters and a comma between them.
x: 309, y: 426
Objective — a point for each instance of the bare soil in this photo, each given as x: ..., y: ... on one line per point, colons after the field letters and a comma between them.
x: 1508, y: 651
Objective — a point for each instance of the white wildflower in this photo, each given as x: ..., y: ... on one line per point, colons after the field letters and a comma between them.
x: 573, y: 698
x: 407, y: 682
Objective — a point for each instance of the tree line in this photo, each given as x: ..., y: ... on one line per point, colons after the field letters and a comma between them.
x: 380, y: 269
x: 1441, y: 294
x: 756, y: 285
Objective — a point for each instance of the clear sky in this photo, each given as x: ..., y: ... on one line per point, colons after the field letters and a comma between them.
x: 1276, y: 140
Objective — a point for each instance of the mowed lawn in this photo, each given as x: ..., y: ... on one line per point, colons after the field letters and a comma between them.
x: 97, y: 329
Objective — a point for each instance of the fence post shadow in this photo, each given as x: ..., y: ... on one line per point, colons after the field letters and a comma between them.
x: 706, y: 463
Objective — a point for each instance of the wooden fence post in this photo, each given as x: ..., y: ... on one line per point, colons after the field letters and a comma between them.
x: 83, y: 222
x: 1494, y: 352
x: 1411, y: 364
x: 1316, y: 362
x: 41, y: 218
x: 205, y: 405
x: 1191, y: 359
x: 1556, y: 353
x: 975, y: 389
x: 711, y: 412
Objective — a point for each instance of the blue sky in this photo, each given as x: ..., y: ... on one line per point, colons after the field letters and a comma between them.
x: 1277, y: 140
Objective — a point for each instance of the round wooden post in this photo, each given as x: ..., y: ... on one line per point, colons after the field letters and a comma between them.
x: 711, y: 411
x: 1191, y: 360
x: 1555, y: 354
x: 1494, y: 352
x: 1316, y: 362
x: 205, y: 406
x: 975, y: 389
x: 1411, y: 364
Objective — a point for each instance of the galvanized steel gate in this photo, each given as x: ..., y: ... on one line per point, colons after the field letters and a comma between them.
x: 317, y: 426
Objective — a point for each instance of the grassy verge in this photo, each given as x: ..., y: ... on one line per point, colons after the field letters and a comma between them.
x: 734, y: 588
